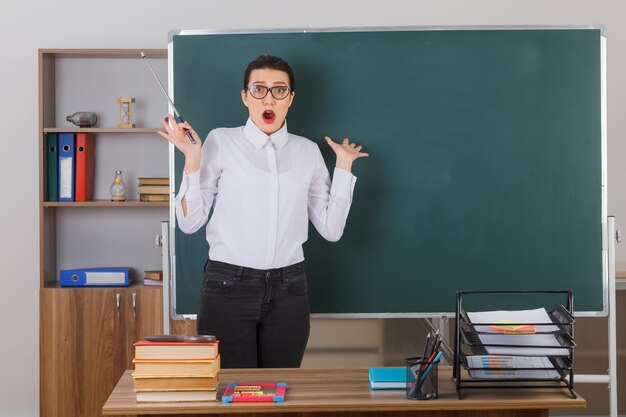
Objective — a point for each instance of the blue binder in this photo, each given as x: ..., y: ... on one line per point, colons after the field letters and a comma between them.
x: 67, y: 166
x: 97, y: 277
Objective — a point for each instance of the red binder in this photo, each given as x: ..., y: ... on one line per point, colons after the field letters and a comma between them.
x: 85, y: 157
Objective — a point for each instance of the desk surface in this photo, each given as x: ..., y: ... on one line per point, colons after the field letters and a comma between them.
x: 340, y: 390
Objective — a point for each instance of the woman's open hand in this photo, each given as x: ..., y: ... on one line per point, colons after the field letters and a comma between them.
x: 346, y: 153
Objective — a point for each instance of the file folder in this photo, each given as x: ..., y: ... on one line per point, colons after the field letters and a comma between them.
x: 97, y: 277
x: 85, y: 158
x: 52, y: 169
x: 66, y: 166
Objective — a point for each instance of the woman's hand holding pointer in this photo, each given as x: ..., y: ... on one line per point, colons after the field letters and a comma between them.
x: 176, y: 134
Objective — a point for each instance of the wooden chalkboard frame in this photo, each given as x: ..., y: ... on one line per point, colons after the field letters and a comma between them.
x: 604, y: 284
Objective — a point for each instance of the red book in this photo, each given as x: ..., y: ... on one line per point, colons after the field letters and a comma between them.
x: 85, y: 158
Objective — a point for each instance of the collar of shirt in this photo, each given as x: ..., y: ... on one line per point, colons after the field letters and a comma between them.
x: 258, y: 138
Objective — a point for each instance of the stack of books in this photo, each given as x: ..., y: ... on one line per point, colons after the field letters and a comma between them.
x: 153, y: 278
x: 176, y: 371
x: 154, y: 189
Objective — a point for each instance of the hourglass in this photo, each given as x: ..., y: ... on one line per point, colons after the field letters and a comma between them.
x: 126, y: 113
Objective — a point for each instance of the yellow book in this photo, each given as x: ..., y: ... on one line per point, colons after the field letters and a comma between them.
x: 176, y: 367
x: 175, y: 382
x: 153, y: 181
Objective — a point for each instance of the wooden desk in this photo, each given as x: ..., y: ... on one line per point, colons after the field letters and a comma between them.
x: 345, y: 393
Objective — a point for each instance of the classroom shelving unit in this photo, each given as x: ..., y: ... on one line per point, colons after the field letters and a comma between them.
x: 87, y: 334
x: 486, y: 357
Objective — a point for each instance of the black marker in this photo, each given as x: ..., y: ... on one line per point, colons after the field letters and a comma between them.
x: 177, y: 115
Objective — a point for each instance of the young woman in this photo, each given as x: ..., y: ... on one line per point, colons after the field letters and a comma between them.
x: 264, y: 185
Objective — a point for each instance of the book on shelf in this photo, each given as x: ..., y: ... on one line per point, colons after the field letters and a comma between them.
x: 177, y: 366
x: 191, y: 382
x: 153, y: 278
x: 175, y: 350
x: 176, y: 396
x: 154, y: 189
x: 156, y: 274
x: 154, y: 197
x: 153, y: 181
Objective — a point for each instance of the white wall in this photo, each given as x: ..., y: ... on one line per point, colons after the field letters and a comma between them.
x: 27, y: 25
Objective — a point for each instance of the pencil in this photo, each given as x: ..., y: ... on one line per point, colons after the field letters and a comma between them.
x: 426, y: 347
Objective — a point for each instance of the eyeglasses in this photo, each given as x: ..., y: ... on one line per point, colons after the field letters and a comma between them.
x: 279, y: 92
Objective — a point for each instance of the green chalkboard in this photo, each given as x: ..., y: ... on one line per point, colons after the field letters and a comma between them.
x: 485, y: 168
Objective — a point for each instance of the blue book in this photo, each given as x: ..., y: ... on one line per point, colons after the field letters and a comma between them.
x: 387, y: 378
x: 99, y: 277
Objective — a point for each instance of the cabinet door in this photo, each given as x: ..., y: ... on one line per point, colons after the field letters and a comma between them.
x: 83, y: 349
x: 143, y: 308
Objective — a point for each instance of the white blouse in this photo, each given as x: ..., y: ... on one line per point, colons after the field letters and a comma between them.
x: 263, y: 190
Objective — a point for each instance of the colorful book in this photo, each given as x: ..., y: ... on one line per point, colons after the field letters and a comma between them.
x: 387, y: 378
x: 177, y: 367
x: 52, y: 169
x: 175, y: 350
x: 255, y: 392
x: 85, y: 158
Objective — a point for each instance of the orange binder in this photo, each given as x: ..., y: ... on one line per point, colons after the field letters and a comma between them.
x: 85, y: 158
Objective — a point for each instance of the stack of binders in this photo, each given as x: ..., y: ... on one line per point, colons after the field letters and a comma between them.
x: 183, y: 369
x: 70, y: 166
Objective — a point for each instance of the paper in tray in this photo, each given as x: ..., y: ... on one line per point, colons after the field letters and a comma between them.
x: 511, y: 367
x: 537, y: 344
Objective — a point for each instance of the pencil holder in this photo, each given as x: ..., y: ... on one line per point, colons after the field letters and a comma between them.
x: 421, y: 379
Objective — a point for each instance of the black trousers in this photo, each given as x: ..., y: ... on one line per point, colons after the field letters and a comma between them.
x: 260, y: 317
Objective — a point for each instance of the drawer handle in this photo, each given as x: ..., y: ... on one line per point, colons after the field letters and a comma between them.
x: 118, y: 296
